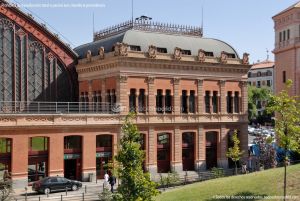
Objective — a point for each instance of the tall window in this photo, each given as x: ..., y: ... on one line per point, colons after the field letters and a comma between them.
x: 192, y: 102
x: 97, y: 100
x: 280, y: 36
x: 215, y: 102
x: 84, y: 99
x: 207, y: 101
x: 184, y: 103
x: 284, y: 76
x: 5, y: 145
x: 159, y: 101
x: 269, y: 83
x: 229, y: 102
x: 258, y: 84
x: 38, y: 144
x: 284, y: 35
x: 168, y: 101
x: 113, y: 97
x: 288, y: 34
x: 142, y: 101
x: 236, y: 102
x: 132, y: 100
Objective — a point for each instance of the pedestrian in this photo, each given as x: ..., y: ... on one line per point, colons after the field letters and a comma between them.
x: 106, y: 177
x: 112, y: 181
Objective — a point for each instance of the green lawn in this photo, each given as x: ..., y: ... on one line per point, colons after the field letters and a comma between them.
x: 264, y: 183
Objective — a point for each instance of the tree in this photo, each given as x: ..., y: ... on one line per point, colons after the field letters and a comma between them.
x: 287, y: 123
x: 135, y: 184
x: 235, y: 152
x: 254, y: 95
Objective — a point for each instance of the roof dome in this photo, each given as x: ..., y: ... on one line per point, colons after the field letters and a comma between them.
x: 144, y: 38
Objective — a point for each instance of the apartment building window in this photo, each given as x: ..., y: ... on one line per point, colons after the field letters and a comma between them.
x: 288, y: 34
x: 236, y: 102
x: 142, y: 101
x: 284, y: 35
x: 132, y: 100
x: 159, y: 101
x: 280, y: 36
x: 192, y: 102
x: 215, y: 102
x: 258, y: 84
x: 269, y: 83
x: 207, y: 101
x: 184, y: 103
x: 229, y: 102
x: 168, y: 101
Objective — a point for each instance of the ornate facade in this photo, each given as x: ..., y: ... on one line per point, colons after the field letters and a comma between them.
x: 189, y: 94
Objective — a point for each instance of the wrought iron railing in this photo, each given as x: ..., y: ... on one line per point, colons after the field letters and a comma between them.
x: 146, y: 25
x: 21, y: 107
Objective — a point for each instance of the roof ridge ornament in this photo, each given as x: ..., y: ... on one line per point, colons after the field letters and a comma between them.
x: 144, y: 23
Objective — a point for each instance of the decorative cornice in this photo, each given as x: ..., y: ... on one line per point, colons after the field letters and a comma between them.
x: 176, y: 80
x: 123, y: 78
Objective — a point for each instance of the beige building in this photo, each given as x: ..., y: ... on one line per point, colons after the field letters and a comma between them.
x: 287, y: 48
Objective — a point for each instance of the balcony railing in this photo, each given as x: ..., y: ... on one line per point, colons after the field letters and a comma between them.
x: 20, y: 107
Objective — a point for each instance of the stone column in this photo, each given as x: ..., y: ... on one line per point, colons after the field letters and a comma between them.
x: 88, y: 156
x: 200, y: 164
x: 103, y: 95
x: 176, y: 96
x: 19, y: 161
x: 200, y: 92
x: 90, y: 95
x: 151, y: 96
x: 56, y: 155
x: 152, y: 151
x: 121, y: 93
x: 177, y: 150
x: 244, y: 91
x: 223, y: 96
x: 222, y: 149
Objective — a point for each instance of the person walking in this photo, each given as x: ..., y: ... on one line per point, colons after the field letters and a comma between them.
x: 112, y: 182
x: 106, y: 178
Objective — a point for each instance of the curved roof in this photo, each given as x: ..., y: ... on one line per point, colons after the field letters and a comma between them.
x: 163, y: 40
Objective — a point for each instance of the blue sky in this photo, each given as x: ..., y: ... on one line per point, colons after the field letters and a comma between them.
x: 245, y: 24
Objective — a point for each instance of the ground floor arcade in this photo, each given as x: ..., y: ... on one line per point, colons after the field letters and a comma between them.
x: 81, y: 153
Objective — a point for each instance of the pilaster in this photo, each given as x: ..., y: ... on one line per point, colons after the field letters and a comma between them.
x: 152, y: 151
x: 200, y: 102
x: 151, y: 95
x: 177, y: 150
x: 222, y: 149
x: 223, y: 96
x: 200, y: 164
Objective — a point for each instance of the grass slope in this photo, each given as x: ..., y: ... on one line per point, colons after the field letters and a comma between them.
x: 264, y: 183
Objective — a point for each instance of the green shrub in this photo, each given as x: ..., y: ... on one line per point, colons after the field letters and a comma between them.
x: 217, y: 172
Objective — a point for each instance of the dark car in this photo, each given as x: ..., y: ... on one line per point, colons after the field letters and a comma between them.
x: 51, y: 184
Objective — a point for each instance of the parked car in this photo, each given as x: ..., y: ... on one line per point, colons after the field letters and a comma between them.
x: 250, y: 130
x: 51, y: 184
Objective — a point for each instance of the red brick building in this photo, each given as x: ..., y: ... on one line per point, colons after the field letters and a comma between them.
x: 62, y: 110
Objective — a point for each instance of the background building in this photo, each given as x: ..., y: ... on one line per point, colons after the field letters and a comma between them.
x: 260, y: 75
x: 189, y: 94
x: 287, y: 48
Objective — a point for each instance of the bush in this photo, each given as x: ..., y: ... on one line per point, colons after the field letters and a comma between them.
x: 106, y: 195
x: 217, y: 172
x: 171, y: 179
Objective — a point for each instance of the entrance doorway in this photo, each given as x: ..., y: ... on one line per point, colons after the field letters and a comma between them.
x: 211, y: 149
x: 163, y: 152
x: 72, y: 157
x: 104, y: 147
x: 188, y: 142
x: 72, y: 169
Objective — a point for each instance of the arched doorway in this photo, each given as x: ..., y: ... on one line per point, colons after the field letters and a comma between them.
x: 37, y: 158
x: 104, y: 149
x: 163, y: 152
x: 188, y: 153
x: 211, y: 149
x: 5, y: 156
x: 72, y: 157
